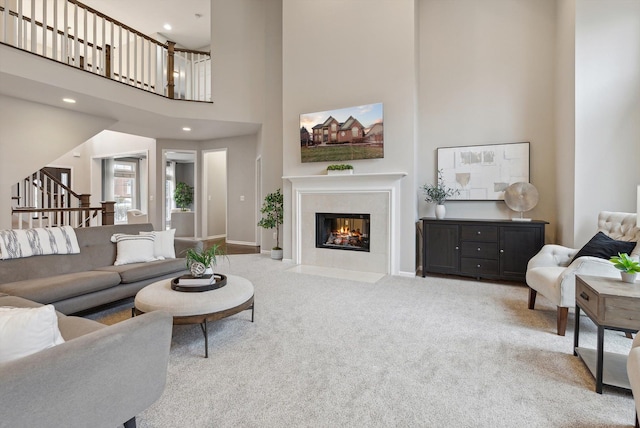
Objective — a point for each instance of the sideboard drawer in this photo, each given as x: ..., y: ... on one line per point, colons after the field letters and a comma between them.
x: 479, y: 233
x: 480, y: 250
x: 478, y: 266
x: 587, y: 298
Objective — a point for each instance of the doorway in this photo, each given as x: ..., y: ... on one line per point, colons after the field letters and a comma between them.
x: 214, y: 223
x: 179, y: 167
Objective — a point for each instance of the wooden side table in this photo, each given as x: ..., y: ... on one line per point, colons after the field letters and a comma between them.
x: 613, y: 305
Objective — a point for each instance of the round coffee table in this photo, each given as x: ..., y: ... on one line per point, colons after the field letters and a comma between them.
x: 197, y: 307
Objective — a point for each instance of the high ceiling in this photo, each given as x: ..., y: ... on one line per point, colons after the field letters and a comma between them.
x: 149, y: 17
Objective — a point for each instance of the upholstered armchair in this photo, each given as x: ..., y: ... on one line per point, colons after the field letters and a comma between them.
x: 137, y: 217
x: 552, y: 272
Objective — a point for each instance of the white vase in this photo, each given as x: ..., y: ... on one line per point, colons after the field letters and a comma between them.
x: 440, y: 212
x: 276, y: 254
x: 629, y: 277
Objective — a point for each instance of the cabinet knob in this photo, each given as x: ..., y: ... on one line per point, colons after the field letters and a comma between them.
x: 479, y: 232
x: 502, y: 251
x: 478, y: 266
x: 456, y: 248
x: 478, y: 249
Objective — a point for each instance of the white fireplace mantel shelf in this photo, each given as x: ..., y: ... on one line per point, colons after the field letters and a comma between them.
x: 392, y: 176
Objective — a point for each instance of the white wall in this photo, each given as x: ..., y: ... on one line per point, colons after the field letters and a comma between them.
x: 338, y: 54
x: 240, y: 170
x: 565, y: 119
x: 215, y: 177
x: 486, y: 76
x: 607, y: 110
x: 32, y: 135
x: 246, y: 46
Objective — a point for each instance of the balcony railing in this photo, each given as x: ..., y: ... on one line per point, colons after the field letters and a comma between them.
x: 72, y: 33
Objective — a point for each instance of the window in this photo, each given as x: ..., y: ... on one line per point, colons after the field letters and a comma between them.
x: 170, y: 187
x: 124, y: 188
x: 354, y: 131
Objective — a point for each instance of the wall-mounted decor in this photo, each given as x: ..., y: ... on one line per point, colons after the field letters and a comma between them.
x: 482, y: 173
x: 343, y: 134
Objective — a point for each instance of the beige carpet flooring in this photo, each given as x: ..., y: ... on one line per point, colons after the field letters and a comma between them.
x: 401, y: 352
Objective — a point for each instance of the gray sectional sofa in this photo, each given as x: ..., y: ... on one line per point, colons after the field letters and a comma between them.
x: 77, y: 282
x: 101, y: 376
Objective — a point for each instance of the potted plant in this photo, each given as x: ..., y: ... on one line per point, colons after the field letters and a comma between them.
x: 198, y: 261
x: 438, y: 193
x: 183, y: 195
x: 273, y: 210
x: 339, y: 169
x: 629, y: 268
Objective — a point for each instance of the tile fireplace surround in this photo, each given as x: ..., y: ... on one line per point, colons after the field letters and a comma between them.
x: 376, y: 194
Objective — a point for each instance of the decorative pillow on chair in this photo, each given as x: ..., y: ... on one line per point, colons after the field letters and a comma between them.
x: 25, y: 331
x: 163, y: 247
x: 133, y: 248
x: 604, y: 247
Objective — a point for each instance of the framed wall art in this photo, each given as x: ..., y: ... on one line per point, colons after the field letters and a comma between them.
x: 343, y: 134
x: 482, y: 173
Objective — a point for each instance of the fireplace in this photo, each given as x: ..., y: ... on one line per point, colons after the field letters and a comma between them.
x: 343, y: 231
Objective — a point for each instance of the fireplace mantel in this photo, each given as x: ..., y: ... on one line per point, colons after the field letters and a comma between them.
x: 378, y: 193
x: 389, y: 176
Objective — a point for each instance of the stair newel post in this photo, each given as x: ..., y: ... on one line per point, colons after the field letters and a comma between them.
x: 108, y: 212
x: 170, y: 65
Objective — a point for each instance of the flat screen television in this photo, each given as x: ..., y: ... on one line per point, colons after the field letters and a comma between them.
x: 342, y: 135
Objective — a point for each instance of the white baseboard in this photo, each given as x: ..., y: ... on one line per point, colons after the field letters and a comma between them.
x: 253, y: 244
x: 216, y: 237
x: 407, y: 274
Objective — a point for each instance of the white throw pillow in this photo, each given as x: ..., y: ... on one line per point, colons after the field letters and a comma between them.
x: 25, y: 331
x: 133, y: 248
x: 163, y: 246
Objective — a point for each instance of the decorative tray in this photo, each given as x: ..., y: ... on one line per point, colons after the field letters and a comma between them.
x: 221, y: 281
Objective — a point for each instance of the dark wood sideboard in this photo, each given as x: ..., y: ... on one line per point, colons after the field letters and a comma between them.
x: 493, y: 249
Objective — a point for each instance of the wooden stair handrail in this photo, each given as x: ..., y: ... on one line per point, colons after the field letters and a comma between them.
x: 60, y: 183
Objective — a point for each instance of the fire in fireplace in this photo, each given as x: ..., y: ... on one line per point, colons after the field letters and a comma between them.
x: 343, y: 231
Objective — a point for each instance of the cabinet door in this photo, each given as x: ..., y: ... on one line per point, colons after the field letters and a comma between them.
x: 518, y: 244
x: 441, y: 248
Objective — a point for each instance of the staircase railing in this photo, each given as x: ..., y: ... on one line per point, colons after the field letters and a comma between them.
x: 44, y: 201
x: 72, y: 33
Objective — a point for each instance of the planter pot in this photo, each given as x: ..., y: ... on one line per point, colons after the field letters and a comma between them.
x: 339, y: 172
x: 276, y: 254
x: 629, y: 277
x: 197, y: 269
x: 440, y: 212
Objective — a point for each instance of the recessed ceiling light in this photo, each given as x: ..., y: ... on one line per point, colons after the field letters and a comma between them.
x: 167, y: 27
x: 186, y: 128
x: 69, y: 100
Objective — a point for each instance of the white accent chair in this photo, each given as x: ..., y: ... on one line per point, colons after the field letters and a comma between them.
x: 633, y: 371
x: 137, y: 217
x: 552, y: 274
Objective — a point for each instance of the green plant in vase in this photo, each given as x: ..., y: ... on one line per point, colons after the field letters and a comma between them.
x: 628, y: 267
x: 198, y: 261
x: 273, y: 211
x: 438, y: 193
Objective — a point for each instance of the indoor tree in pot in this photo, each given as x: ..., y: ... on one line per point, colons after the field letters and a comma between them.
x: 272, y: 208
x: 629, y: 268
x: 438, y: 193
x: 183, y: 195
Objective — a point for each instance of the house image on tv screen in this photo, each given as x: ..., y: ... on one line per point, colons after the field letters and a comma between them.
x: 343, y: 134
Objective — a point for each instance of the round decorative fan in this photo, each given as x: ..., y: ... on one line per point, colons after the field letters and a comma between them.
x: 521, y: 197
